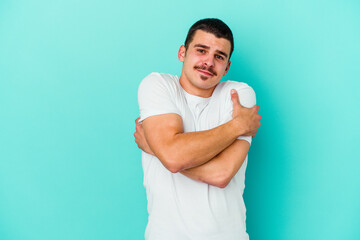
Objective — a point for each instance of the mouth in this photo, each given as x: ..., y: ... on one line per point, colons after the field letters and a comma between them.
x: 206, y: 73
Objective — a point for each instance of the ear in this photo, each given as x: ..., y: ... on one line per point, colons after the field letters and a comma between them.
x: 181, y: 53
x: 227, y: 67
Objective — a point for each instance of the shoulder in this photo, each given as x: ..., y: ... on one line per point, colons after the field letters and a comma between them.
x: 239, y: 86
x: 246, y: 93
x: 157, y: 95
x: 159, y: 83
x: 158, y: 78
x: 161, y: 86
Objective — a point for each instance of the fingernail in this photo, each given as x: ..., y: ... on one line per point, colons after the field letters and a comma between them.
x: 233, y: 91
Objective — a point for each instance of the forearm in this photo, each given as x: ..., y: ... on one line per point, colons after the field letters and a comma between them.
x: 223, y: 167
x: 192, y: 149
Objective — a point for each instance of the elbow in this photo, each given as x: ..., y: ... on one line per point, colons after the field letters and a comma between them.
x: 222, y: 180
x: 174, y: 168
x: 222, y: 183
x: 217, y: 182
x: 171, y: 163
x: 173, y: 157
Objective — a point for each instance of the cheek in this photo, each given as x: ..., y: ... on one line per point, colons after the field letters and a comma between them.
x: 222, y: 68
x: 193, y: 57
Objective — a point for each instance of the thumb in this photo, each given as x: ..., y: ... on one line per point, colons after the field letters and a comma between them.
x: 235, y: 98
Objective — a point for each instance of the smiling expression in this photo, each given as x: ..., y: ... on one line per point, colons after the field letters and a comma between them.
x: 205, y: 62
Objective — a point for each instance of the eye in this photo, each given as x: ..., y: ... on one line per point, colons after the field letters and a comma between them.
x: 201, y: 50
x: 219, y: 57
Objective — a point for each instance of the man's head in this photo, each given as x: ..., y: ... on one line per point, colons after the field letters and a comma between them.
x: 205, y: 56
x: 214, y: 26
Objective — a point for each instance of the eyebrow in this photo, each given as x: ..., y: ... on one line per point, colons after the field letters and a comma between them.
x: 207, y: 47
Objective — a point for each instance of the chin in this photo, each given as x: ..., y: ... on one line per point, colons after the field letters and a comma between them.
x: 206, y: 86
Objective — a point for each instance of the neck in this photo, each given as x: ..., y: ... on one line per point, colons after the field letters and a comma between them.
x: 191, y: 89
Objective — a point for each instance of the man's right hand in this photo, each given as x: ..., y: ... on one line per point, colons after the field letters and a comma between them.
x: 247, y: 119
x: 140, y: 138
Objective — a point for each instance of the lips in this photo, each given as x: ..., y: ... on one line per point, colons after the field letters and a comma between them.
x: 205, y: 73
x: 203, y: 70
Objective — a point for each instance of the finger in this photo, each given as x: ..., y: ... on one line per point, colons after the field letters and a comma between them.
x: 137, y: 120
x: 235, y: 97
x: 136, y: 138
x: 141, y: 132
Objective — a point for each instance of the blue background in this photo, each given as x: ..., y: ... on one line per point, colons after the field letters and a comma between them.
x: 69, y: 72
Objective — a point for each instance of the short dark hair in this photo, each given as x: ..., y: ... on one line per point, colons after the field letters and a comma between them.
x: 214, y: 26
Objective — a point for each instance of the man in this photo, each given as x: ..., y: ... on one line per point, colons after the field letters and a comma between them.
x: 195, y: 136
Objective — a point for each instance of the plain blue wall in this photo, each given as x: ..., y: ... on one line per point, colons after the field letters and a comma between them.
x: 69, y: 72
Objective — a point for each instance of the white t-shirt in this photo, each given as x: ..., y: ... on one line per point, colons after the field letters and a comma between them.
x: 181, y: 208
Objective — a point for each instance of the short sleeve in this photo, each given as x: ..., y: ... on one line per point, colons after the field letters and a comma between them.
x: 155, y: 97
x: 247, y: 99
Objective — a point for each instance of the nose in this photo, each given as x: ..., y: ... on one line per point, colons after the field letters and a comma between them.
x: 209, y: 61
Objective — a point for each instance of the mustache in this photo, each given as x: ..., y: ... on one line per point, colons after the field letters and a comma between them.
x: 210, y: 70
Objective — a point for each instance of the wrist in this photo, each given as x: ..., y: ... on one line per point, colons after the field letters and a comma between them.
x: 237, y: 128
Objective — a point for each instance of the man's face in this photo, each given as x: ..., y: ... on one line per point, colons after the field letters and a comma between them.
x: 205, y: 62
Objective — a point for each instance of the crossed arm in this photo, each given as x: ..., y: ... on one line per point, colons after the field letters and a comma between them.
x: 222, y: 168
x: 213, y: 156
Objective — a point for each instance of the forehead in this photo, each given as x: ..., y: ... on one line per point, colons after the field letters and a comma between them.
x: 210, y: 40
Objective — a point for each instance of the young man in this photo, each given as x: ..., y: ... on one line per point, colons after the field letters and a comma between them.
x: 195, y: 134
